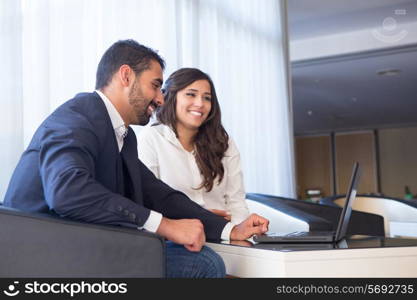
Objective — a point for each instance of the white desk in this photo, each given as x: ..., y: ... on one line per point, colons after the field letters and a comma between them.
x: 403, y: 229
x: 244, y: 261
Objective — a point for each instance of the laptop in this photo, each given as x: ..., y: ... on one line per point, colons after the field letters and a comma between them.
x: 320, y: 236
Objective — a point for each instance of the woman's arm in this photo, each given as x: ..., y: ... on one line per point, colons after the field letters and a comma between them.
x: 235, y: 190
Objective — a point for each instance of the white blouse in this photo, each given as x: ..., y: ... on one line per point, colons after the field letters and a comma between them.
x: 161, y: 151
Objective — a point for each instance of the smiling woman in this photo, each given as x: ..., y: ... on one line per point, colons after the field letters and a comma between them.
x: 193, y: 107
x: 191, y: 151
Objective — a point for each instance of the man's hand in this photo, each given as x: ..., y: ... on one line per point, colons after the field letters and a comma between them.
x: 187, y: 232
x: 221, y: 213
x: 254, y: 224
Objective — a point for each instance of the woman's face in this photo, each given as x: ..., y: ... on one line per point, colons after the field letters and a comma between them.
x: 193, y: 104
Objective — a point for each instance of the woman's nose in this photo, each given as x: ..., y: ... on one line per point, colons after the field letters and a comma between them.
x: 198, y: 101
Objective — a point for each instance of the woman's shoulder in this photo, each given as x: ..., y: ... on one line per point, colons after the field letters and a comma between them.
x: 157, y: 132
x: 232, y: 149
x: 151, y: 131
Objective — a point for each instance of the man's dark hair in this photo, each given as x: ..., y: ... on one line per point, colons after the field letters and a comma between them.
x: 125, y: 52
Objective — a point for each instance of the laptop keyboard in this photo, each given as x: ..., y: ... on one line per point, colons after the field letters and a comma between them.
x: 297, y: 233
x: 309, y: 233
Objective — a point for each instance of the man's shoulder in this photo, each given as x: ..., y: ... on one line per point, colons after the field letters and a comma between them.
x: 86, y: 101
x: 85, y: 112
x: 85, y: 107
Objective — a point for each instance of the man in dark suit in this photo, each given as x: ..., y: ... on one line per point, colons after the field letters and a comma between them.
x: 82, y: 164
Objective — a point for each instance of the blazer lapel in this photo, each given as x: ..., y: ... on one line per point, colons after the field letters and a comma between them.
x: 119, y: 177
x: 129, y: 155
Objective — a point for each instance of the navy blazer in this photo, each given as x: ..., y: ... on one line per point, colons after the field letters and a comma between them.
x: 73, y: 168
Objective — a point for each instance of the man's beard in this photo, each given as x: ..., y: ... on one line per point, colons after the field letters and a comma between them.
x: 139, y: 104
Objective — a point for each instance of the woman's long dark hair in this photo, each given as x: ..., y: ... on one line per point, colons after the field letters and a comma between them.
x: 212, y: 140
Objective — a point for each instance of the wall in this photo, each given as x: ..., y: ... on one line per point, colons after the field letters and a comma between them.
x: 314, y: 165
x: 388, y: 159
x: 360, y: 147
x: 398, y: 160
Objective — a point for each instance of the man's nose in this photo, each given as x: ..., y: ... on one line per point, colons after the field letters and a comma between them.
x: 159, y: 98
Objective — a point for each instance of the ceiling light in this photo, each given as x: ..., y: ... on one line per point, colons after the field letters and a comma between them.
x: 389, y: 72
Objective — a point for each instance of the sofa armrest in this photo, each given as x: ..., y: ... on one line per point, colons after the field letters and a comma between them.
x: 323, y: 217
x: 315, y: 221
x: 35, y: 245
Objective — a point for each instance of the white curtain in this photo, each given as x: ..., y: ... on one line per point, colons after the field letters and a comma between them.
x: 50, y: 50
x: 11, y: 106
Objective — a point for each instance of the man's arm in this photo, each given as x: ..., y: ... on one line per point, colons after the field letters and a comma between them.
x: 176, y: 205
x: 173, y: 204
x: 67, y: 167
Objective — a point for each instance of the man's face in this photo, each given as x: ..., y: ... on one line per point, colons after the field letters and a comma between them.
x: 145, y: 94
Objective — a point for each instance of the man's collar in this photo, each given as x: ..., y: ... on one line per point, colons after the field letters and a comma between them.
x: 116, y: 119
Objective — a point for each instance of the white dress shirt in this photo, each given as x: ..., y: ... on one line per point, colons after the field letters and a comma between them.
x: 161, y: 151
x: 120, y: 131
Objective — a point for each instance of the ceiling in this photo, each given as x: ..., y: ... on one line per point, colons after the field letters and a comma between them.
x: 343, y: 91
x: 313, y: 17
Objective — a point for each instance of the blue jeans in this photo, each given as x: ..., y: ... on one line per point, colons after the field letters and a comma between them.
x: 182, y: 263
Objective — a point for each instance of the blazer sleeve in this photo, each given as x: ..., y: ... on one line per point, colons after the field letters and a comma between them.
x: 67, y: 167
x: 173, y: 204
x: 235, y: 190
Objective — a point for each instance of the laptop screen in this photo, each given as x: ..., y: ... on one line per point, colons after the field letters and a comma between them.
x: 347, y: 208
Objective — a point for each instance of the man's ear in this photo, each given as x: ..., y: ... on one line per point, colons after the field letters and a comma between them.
x: 125, y: 75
